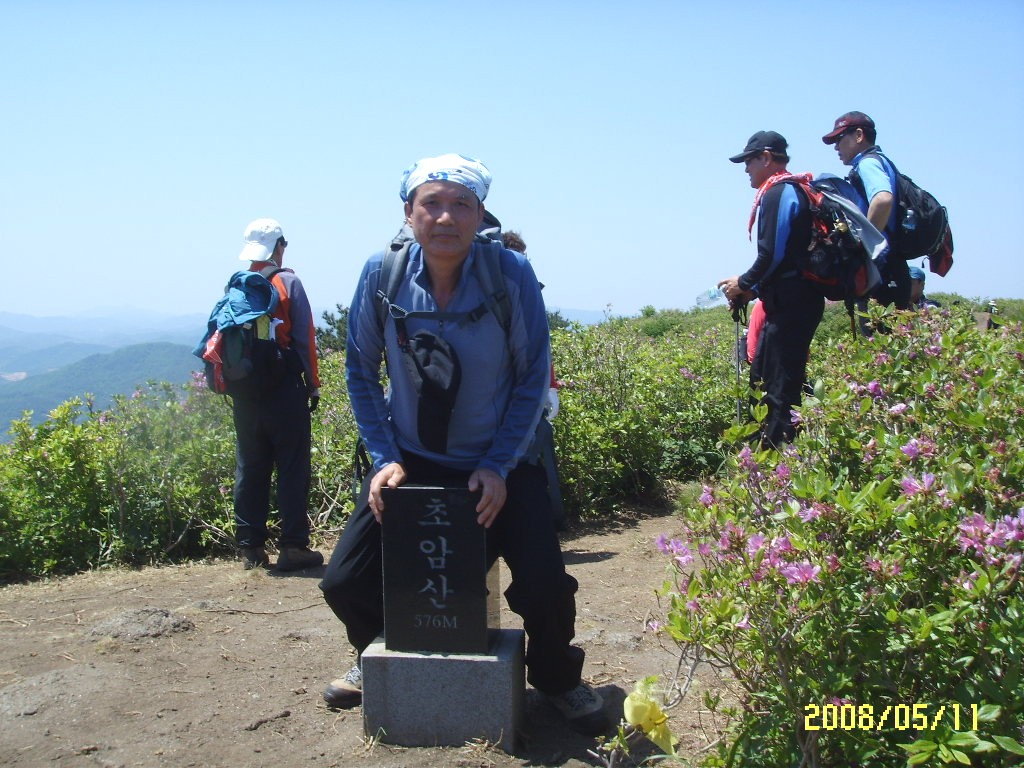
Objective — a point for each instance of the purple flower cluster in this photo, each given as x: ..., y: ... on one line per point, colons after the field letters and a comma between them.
x: 679, y: 551
x: 995, y: 543
x: 913, y: 487
x: 686, y: 373
x: 918, y: 446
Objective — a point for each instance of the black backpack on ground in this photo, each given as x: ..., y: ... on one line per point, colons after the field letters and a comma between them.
x: 922, y: 222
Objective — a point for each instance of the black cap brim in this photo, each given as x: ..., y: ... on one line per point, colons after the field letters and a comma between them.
x: 742, y: 157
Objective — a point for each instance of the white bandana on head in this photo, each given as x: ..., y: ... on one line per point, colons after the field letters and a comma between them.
x: 470, y: 173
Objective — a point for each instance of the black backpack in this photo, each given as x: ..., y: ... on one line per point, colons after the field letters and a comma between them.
x: 922, y: 222
x: 839, y: 259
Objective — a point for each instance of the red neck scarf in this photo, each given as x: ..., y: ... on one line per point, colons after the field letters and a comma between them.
x: 803, y: 179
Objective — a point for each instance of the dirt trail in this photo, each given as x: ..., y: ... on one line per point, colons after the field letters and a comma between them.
x: 211, y: 665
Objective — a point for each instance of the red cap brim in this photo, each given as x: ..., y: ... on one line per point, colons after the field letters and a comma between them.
x: 831, y: 138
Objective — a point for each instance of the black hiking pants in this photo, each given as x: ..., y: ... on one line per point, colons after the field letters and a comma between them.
x: 523, y: 534
x: 793, y: 308
x: 272, y: 430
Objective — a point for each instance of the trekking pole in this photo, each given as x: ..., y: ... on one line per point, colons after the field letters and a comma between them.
x: 739, y: 310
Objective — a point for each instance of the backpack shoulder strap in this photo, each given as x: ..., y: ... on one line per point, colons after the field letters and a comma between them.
x: 270, y: 270
x: 392, y: 271
x: 487, y: 268
x: 492, y: 281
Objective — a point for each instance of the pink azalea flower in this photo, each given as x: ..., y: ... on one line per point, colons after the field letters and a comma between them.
x: 898, y: 409
x: 708, y: 497
x: 911, y: 449
x: 755, y: 544
x: 800, y: 573
x: 809, y: 513
x: 744, y: 623
x: 783, y: 544
x: 912, y: 487
x: 747, y: 463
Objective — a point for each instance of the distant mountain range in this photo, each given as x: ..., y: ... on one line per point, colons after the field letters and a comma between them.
x: 45, y: 361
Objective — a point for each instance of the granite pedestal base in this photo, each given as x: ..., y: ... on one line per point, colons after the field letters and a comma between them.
x: 439, y: 699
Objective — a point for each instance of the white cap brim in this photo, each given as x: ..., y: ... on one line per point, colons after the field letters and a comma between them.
x: 255, y: 252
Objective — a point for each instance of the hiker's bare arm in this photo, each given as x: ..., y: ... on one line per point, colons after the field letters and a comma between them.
x: 492, y: 497
x: 393, y: 475
x: 879, y: 210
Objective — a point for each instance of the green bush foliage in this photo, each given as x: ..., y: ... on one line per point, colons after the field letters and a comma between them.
x: 863, y: 585
x: 636, y: 409
x: 149, y: 479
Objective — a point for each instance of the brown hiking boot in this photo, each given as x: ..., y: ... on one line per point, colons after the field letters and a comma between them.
x: 254, y: 557
x: 347, y: 691
x: 297, y: 558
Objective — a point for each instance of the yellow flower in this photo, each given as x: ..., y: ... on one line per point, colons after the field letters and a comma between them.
x: 641, y: 711
x: 663, y: 738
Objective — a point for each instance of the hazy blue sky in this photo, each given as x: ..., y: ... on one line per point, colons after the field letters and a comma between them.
x: 139, y: 138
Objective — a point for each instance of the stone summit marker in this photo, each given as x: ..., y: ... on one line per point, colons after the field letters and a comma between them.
x: 435, y: 571
x: 440, y: 675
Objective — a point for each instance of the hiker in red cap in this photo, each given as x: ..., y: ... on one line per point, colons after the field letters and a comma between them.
x: 876, y: 180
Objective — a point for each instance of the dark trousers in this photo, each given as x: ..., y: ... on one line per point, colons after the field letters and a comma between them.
x: 523, y: 534
x: 272, y: 430
x: 793, y: 309
x: 893, y: 288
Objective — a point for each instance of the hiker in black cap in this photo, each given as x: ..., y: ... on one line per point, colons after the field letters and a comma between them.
x: 793, y: 306
x: 875, y: 179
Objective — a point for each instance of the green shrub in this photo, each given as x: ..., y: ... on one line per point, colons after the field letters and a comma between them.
x: 636, y: 410
x: 51, y: 496
x: 874, y: 565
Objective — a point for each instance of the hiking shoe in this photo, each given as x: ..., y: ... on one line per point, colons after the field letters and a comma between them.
x: 345, y: 692
x: 583, y: 707
x: 297, y: 558
x: 254, y: 557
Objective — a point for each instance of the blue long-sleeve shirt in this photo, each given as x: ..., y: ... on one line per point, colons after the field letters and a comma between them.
x: 783, y: 231
x: 505, y: 377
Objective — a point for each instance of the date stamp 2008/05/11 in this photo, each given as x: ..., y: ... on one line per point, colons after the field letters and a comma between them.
x: 899, y: 717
